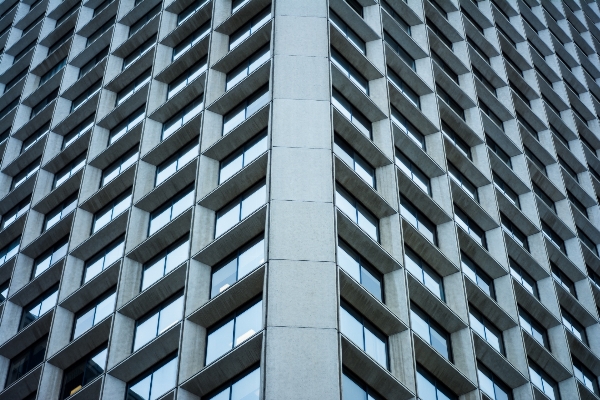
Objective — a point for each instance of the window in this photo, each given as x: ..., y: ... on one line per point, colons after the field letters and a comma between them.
x: 35, y: 110
x: 27, y: 360
x: 171, y: 209
x: 355, y: 5
x: 477, y: 275
x: 237, y: 4
x: 247, y: 66
x: 165, y: 262
x: 456, y: 140
x: 438, y: 32
x: 349, y: 71
x: 10, y: 107
x: 111, y: 210
x: 67, y: 14
x: 348, y: 32
x: 249, y: 28
x: 4, y: 291
x: 550, y: 105
x: 543, y: 381
x: 357, y: 213
x: 403, y: 24
x: 573, y: 326
x: 470, y: 226
x: 185, y: 114
x: 428, y: 387
x: 39, y: 307
x: 486, y: 329
x: 544, y: 197
x: 13, y: 82
x: 409, y: 129
x: 92, y: 315
x: 87, y: 94
x: 354, y: 389
x: 413, y: 172
x: 115, y: 169
x: 35, y: 137
x: 137, y: 53
x: 50, y: 257
x: 190, y: 41
x: 88, y: 66
x: 25, y: 174
x: 595, y: 278
x: 140, y: 23
x: 245, y: 109
x: 157, y: 321
x: 478, y: 50
x: 359, y: 269
x: 568, y: 168
x: 533, y: 328
x: 126, y: 125
x: 103, y: 259
x: 424, y: 273
x: 523, y: 278
x: 101, y: 7
x: 8, y: 251
x: 51, y: 72
x: 190, y: 10
x: 445, y: 67
x: 32, y: 25
x: 553, y: 237
x: 84, y: 371
x: 186, y: 77
x: 485, y: 81
x: 493, y: 146
x: 505, y: 189
x: 345, y: 152
x: 363, y: 334
x: 233, y: 331
x: 176, y: 162
x: 587, y: 377
x: 240, y: 208
x: 438, y: 7
x: 4, y: 135
x: 244, y: 156
x: 246, y: 387
x: 403, y: 87
x: 26, y: 50
x: 68, y: 171
x: 413, y: 215
x: 491, y: 385
x: 463, y: 182
x: 78, y: 131
x: 514, y: 232
x: 562, y: 279
x: 487, y: 111
x: 449, y: 100
x: 100, y: 31
x: 241, y: 263
x: 430, y: 331
x: 133, y: 87
x: 155, y: 382
x: 395, y: 46
x: 59, y: 42
x: 14, y: 213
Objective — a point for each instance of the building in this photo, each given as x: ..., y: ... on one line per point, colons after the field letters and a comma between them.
x: 299, y: 199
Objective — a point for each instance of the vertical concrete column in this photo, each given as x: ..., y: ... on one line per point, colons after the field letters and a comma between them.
x: 302, y: 356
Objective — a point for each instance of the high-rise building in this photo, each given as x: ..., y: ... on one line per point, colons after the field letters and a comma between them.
x: 299, y: 199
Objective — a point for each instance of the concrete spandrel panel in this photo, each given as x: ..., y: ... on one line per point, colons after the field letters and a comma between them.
x: 301, y: 36
x: 307, y: 123
x: 301, y: 77
x: 304, y: 8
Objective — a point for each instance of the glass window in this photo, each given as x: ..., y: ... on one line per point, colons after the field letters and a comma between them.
x: 133, y: 87
x: 68, y: 171
x: 358, y: 213
x: 87, y: 94
x: 84, y: 371
x: 249, y: 28
x: 363, y: 334
x: 245, y: 109
x: 487, y: 111
x: 533, y: 328
x: 513, y: 231
x: 126, y: 125
x: 403, y: 24
x: 237, y: 4
x: 344, y: 151
x: 413, y: 172
x: 25, y: 173
x: 486, y: 329
x: 354, y: 389
x: 349, y: 111
x: 166, y: 261
x: 536, y: 161
x: 50, y: 257
x: 424, y: 273
x: 115, y: 169
x: 244, y: 156
x: 13, y: 82
x: 544, y: 197
x: 573, y: 326
x: 137, y: 53
x: 157, y: 321
x: 586, y: 376
x: 360, y: 269
x: 491, y: 385
x: 140, y: 23
x: 188, y: 76
x: 430, y: 331
x: 27, y: 360
x: 553, y: 237
x: 349, y: 71
x: 403, y: 87
x: 100, y: 31
x: 416, y: 218
x: 593, y: 276
x: 480, y: 76
x: 14, y: 213
x: 176, y: 162
x: 445, y: 67
x: 570, y: 171
x: 438, y: 32
x: 35, y: 110
x: 543, y: 381
x: 477, y: 275
x: 59, y: 42
x: 101, y: 7
x: 577, y: 204
x: 456, y: 140
x: 51, y: 72
x: 67, y: 14
x: 35, y: 137
x: 87, y: 67
x: 470, y: 226
x: 26, y: 50
x: 190, y: 41
x: 587, y: 241
x: 562, y: 279
x: 247, y: 66
x: 92, y: 315
x: 240, y: 208
x: 505, y: 189
x: 8, y: 251
x: 39, y: 307
x: 523, y: 278
x: 186, y: 113
x: 155, y: 382
x: 103, y: 259
x: 4, y: 291
x: 428, y: 387
x: 233, y: 331
x: 190, y: 10
x: 10, y: 107
x: 171, y: 209
x: 449, y: 100
x: 111, y: 210
x: 348, y: 32
x: 78, y: 131
x: 399, y: 50
x: 241, y: 263
x: 246, y: 387
x: 411, y: 131
x: 463, y: 182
